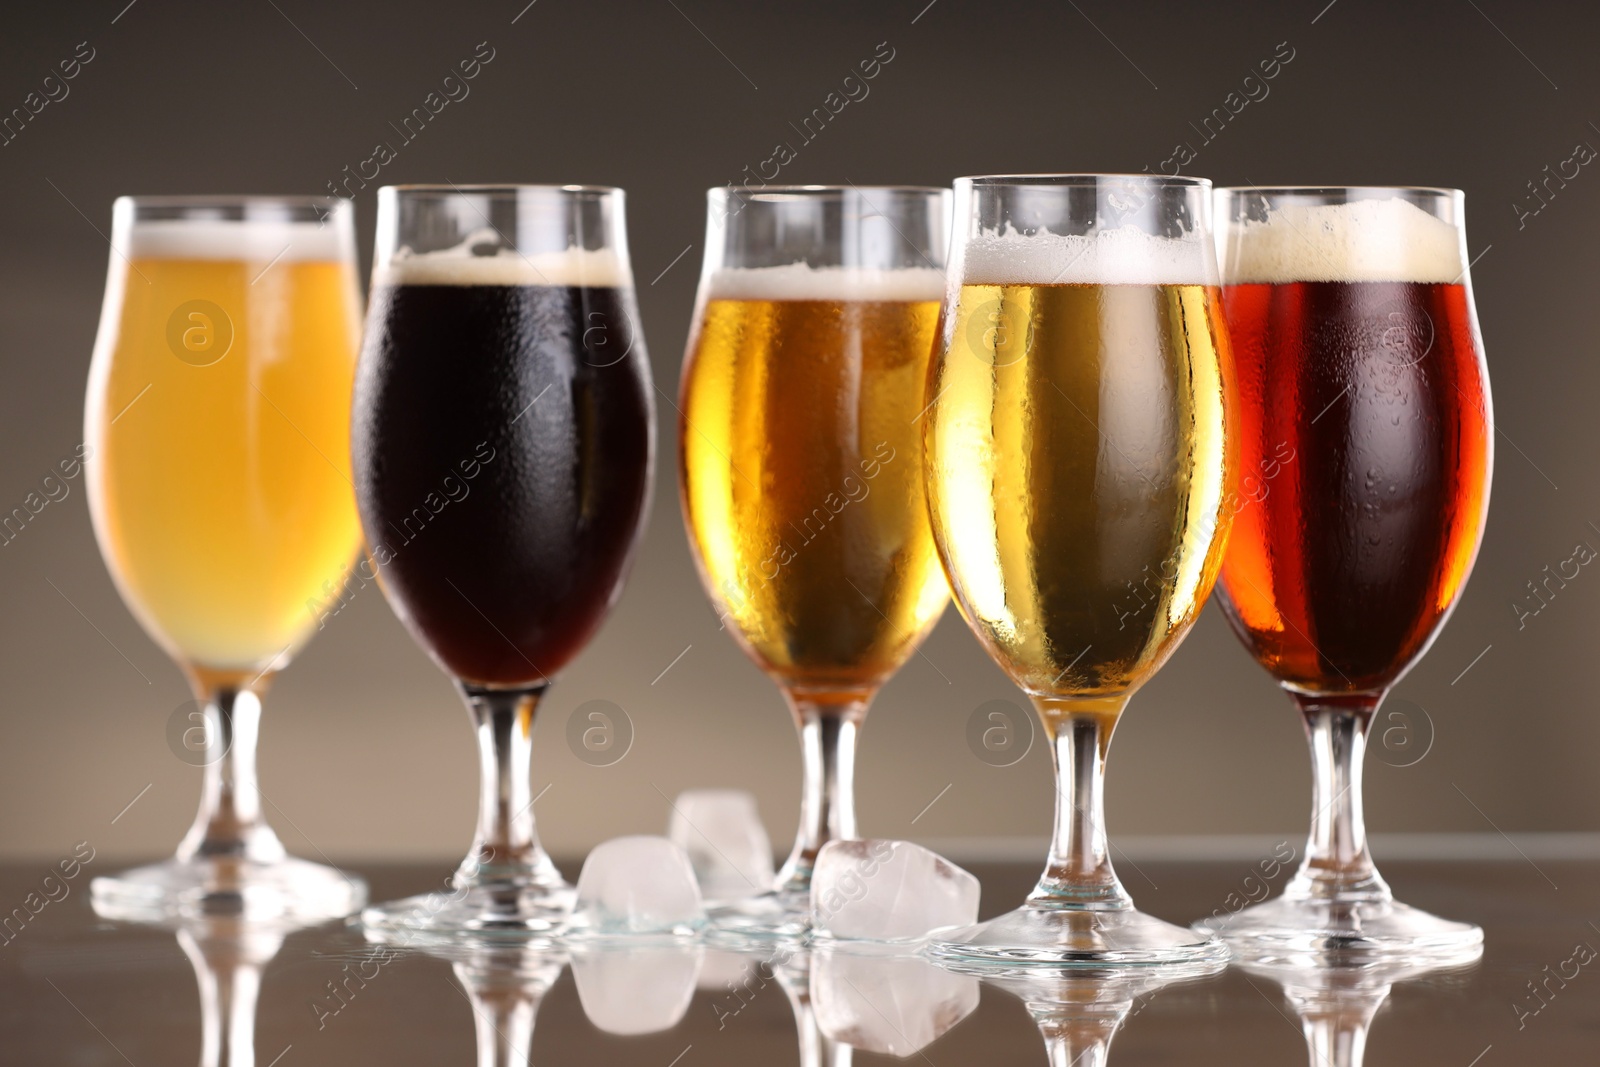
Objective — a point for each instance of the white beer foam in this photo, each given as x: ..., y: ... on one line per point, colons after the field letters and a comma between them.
x: 1123, y: 256
x: 589, y: 267
x: 1362, y: 241
x: 255, y: 240
x: 800, y: 281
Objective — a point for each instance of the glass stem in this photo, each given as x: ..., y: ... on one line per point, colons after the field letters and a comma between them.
x: 1079, y: 874
x: 504, y: 1020
x: 228, y: 967
x: 1338, y: 1037
x: 506, y: 856
x: 1076, y: 1044
x: 1337, y: 866
x: 828, y: 798
x: 229, y: 824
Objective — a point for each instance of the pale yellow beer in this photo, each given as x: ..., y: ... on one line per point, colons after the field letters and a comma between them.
x: 218, y: 420
x: 802, y: 473
x: 1078, y: 459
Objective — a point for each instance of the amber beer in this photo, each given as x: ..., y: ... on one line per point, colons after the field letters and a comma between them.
x: 1082, y: 534
x: 1345, y: 565
x: 219, y: 426
x: 801, y: 470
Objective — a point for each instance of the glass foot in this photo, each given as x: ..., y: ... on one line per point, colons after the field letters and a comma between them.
x: 286, y: 888
x: 1285, y: 927
x: 1036, y: 936
x: 527, y: 912
x: 777, y: 914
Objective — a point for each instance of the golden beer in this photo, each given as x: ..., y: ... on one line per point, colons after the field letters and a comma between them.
x: 802, y: 478
x: 1077, y: 461
x: 219, y: 423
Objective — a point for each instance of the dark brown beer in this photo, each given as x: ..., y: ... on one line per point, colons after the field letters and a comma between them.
x: 502, y: 441
x: 1365, y: 456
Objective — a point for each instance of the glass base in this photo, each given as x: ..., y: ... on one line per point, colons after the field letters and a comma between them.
x: 1290, y: 927
x: 776, y: 914
x: 287, y: 888
x: 1042, y: 936
x: 536, y: 911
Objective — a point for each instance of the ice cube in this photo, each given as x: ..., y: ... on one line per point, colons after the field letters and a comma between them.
x: 877, y: 890
x: 894, y: 1004
x: 726, y: 842
x: 636, y: 885
x: 640, y: 989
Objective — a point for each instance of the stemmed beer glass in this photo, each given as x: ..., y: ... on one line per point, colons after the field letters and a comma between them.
x: 218, y: 427
x: 801, y: 467
x: 503, y: 435
x: 1078, y: 452
x: 1365, y: 430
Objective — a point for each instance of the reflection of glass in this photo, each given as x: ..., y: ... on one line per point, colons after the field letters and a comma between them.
x: 1077, y: 456
x: 503, y: 437
x: 217, y: 425
x: 801, y: 469
x: 504, y: 985
x: 229, y: 956
x: 1336, y: 1001
x: 1366, y: 454
x: 1079, y: 1011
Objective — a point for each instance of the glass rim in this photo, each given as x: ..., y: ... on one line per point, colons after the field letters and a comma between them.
x: 1082, y: 180
x: 1368, y: 191
x: 500, y: 189
x: 212, y: 200
x: 781, y: 193
x: 825, y: 189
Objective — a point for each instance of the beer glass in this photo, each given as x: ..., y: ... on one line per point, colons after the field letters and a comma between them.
x: 218, y: 422
x: 1078, y: 448
x: 503, y: 432
x: 801, y: 468
x: 1365, y: 456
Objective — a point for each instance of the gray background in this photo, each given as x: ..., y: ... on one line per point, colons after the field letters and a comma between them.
x: 366, y: 751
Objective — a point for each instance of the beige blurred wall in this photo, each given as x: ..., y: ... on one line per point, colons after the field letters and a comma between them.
x: 366, y: 751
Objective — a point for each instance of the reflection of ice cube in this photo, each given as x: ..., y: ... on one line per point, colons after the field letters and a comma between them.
x: 891, y: 1004
x: 888, y: 891
x: 637, y: 885
x: 722, y: 833
x: 723, y: 970
x: 636, y: 990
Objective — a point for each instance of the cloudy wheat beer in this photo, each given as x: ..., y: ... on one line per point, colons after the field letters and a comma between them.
x: 1366, y: 451
x: 218, y: 420
x: 1364, y: 430
x: 802, y: 475
x: 218, y: 431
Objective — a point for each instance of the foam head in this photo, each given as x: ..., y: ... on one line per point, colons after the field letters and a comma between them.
x: 800, y: 281
x: 1389, y: 240
x: 465, y: 264
x: 252, y: 240
x: 1126, y: 255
